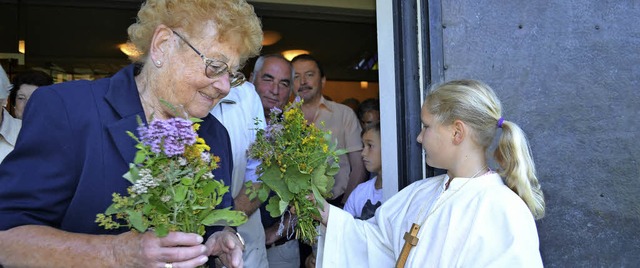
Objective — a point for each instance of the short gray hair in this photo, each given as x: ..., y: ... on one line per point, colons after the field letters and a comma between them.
x: 5, y: 85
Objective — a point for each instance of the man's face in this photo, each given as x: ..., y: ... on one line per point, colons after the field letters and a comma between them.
x: 370, y: 117
x: 307, y: 81
x: 273, y: 83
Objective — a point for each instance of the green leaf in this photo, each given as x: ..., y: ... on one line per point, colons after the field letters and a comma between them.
x: 133, y: 136
x: 171, y: 107
x: 211, y: 187
x: 274, y: 207
x: 340, y: 151
x: 283, y: 206
x: 133, y: 174
x: 263, y: 193
x: 180, y: 194
x: 186, y: 181
x: 320, y: 180
x: 140, y: 157
x: 112, y: 210
x: 272, y: 178
x: 224, y: 217
x: 161, y: 230
x: 250, y: 191
x: 318, y: 197
x: 333, y: 170
x: 135, y: 218
x: 147, y: 208
x: 139, y: 120
x: 297, y: 181
x: 160, y: 206
x: 200, y: 173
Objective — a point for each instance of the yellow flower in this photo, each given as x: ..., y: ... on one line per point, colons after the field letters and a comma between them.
x: 289, y: 114
x: 201, y: 145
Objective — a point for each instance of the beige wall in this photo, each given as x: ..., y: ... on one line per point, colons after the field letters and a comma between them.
x: 340, y: 90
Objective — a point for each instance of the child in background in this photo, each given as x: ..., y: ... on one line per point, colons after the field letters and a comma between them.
x: 367, y: 196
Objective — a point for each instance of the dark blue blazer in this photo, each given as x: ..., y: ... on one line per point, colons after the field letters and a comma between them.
x: 73, y: 150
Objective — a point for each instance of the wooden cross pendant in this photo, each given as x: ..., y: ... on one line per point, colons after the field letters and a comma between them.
x: 410, y: 241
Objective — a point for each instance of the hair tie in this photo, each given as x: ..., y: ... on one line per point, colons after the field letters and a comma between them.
x: 500, y: 122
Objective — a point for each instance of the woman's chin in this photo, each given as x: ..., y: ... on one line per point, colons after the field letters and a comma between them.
x: 200, y: 112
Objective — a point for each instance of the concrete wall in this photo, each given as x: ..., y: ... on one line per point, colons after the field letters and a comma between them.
x: 568, y: 72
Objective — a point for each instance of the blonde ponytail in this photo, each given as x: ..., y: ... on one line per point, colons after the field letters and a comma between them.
x: 514, y: 156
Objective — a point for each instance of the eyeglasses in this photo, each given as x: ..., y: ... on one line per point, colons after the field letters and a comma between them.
x: 215, y: 68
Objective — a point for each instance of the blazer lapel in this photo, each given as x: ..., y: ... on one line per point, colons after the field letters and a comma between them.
x: 123, y: 97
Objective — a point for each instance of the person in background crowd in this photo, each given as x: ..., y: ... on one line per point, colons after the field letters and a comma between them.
x: 273, y: 75
x: 9, y: 126
x: 309, y: 80
x: 24, y: 84
x: 238, y: 112
x: 73, y: 148
x: 470, y: 217
x: 367, y: 196
x: 369, y: 112
x: 352, y: 103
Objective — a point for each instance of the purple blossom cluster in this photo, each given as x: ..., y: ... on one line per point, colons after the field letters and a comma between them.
x: 170, y: 136
x: 275, y: 110
x: 273, y: 131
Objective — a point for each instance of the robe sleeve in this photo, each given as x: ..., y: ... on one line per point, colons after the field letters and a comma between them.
x: 343, y: 231
x: 376, y: 242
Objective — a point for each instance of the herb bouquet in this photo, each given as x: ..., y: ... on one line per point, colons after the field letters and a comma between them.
x: 297, y: 161
x: 172, y: 185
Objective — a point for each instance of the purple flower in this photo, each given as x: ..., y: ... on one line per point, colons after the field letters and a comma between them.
x: 276, y: 110
x: 273, y: 130
x: 170, y: 136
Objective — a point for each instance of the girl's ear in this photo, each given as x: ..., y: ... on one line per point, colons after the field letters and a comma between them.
x: 459, y: 131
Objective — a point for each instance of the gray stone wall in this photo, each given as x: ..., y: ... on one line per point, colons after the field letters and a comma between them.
x: 567, y: 72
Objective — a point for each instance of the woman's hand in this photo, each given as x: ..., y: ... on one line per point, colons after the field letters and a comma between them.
x: 227, y: 246
x: 176, y: 250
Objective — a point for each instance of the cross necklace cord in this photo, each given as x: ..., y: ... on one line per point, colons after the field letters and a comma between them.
x: 411, y: 237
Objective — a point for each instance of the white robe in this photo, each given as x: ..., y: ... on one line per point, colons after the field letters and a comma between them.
x: 477, y: 222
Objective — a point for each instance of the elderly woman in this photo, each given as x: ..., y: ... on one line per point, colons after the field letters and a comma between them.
x: 73, y: 149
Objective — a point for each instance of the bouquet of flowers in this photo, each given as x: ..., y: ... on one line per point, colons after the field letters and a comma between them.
x: 172, y: 185
x: 297, y: 161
